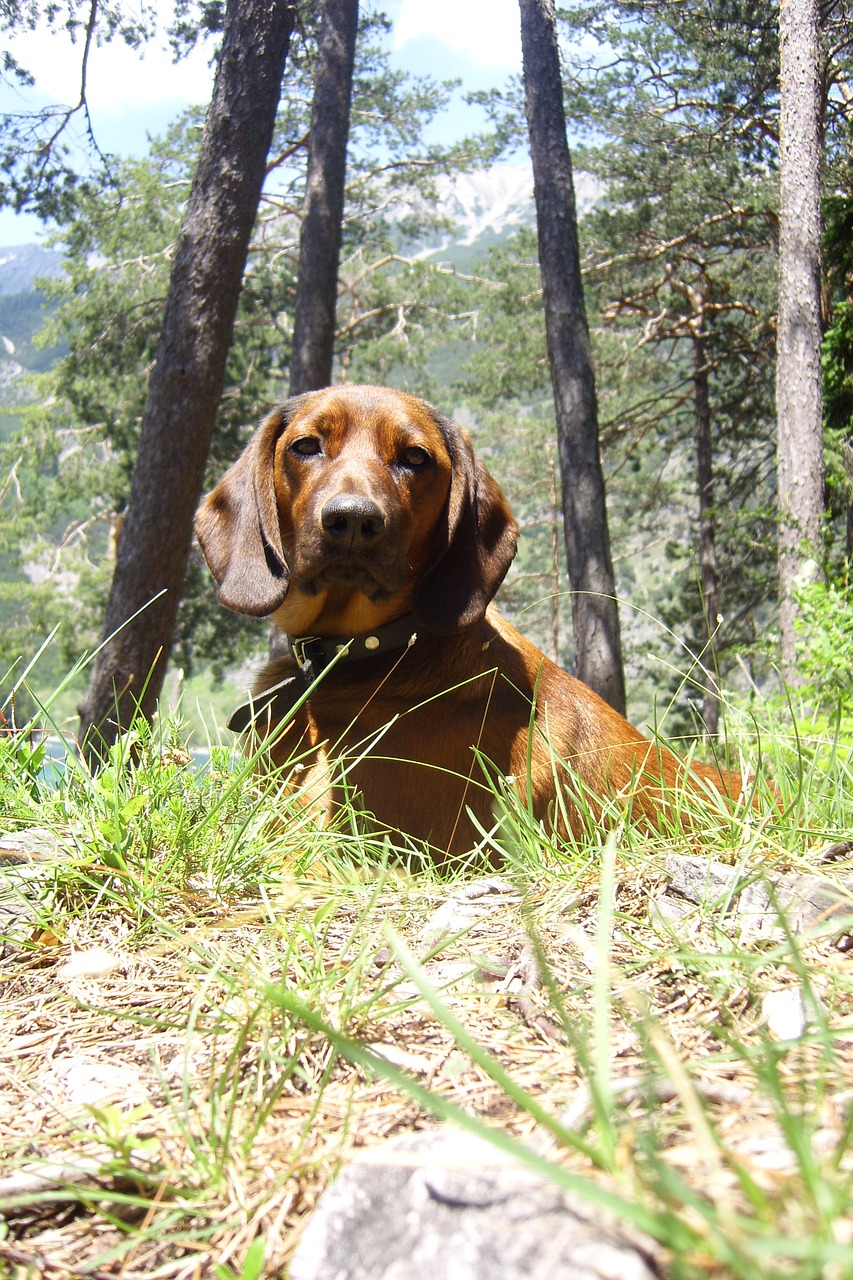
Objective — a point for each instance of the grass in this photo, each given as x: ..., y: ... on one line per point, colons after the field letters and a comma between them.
x: 209, y: 1004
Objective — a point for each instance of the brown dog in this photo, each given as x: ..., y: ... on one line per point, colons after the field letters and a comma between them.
x: 359, y: 518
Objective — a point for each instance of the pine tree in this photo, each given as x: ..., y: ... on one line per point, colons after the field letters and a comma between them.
x: 681, y: 261
x: 598, y: 646
x: 189, y: 371
x: 799, y: 406
x: 320, y: 234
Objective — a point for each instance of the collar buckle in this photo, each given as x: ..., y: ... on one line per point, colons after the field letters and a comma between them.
x: 298, y: 646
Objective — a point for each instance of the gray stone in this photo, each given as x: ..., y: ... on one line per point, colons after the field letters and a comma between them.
x: 441, y: 1205
x: 670, y: 910
x: 810, y: 903
x: 700, y: 880
x: 467, y: 907
x: 31, y: 844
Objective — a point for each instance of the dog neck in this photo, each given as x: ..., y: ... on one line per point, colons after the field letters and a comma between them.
x: 313, y: 655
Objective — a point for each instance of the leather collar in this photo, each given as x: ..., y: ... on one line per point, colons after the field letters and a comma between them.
x: 313, y: 654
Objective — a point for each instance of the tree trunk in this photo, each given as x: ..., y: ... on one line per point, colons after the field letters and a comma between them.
x: 313, y: 348
x: 847, y: 463
x: 555, y: 515
x: 799, y: 406
x: 188, y: 375
x: 707, y: 547
x: 320, y: 240
x: 595, y: 614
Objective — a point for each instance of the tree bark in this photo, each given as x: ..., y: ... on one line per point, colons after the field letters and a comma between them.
x: 188, y: 375
x: 799, y: 407
x: 708, y: 579
x: 595, y: 615
x: 322, y: 221
x: 313, y: 348
x: 847, y: 461
x: 554, y: 520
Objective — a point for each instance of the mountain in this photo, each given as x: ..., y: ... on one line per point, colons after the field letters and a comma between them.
x: 485, y: 207
x: 21, y: 264
x: 21, y: 316
x: 488, y: 204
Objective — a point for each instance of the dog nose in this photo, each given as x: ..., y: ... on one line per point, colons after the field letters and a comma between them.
x: 351, y: 518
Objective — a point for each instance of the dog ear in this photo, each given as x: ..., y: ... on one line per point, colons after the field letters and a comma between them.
x: 478, y: 545
x: 238, y: 530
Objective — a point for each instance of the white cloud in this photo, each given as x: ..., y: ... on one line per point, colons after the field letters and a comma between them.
x: 118, y: 73
x: 117, y: 76
x: 486, y: 32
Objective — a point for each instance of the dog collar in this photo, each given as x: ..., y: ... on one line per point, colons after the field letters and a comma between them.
x: 313, y: 654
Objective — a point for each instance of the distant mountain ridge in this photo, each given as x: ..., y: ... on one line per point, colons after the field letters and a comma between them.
x: 485, y: 207
x: 489, y: 203
x: 22, y: 264
x: 22, y: 314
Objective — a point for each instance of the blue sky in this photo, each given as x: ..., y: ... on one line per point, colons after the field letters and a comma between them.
x: 135, y: 94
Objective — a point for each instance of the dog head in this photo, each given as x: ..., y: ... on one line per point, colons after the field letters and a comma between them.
x: 358, y: 492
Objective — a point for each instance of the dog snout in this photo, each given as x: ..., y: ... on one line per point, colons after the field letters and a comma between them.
x: 352, y: 520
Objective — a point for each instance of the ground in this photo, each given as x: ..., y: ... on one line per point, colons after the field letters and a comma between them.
x: 178, y: 1086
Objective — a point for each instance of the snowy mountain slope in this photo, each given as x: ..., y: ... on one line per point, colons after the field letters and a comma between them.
x: 491, y: 202
x: 22, y: 263
x: 484, y: 206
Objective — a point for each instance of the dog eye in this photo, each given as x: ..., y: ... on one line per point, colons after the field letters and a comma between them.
x: 415, y: 457
x: 306, y: 446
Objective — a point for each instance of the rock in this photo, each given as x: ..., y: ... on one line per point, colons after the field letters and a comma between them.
x: 669, y: 910
x: 809, y: 902
x: 700, y: 880
x: 443, y: 1204
x: 94, y: 962
x: 785, y: 1013
x: 26, y: 861
x: 468, y: 907
x: 31, y: 844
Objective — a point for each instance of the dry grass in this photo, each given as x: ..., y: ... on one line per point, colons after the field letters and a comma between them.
x: 169, y: 1095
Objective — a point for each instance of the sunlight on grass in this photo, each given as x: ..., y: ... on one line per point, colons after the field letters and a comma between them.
x: 210, y: 1001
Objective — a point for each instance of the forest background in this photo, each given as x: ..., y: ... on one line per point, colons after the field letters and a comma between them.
x: 674, y: 125
x: 212, y: 1000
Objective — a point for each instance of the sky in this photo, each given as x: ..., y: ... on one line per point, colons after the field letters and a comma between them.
x: 133, y: 95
